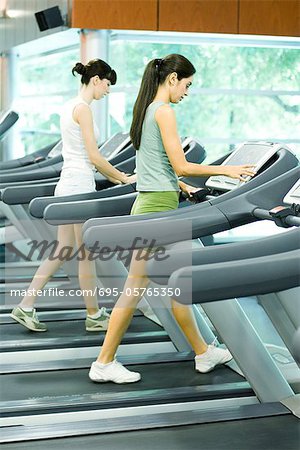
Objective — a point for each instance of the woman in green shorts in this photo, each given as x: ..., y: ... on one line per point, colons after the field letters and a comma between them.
x: 160, y: 160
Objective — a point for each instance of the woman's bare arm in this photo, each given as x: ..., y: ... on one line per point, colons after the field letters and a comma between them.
x: 166, y: 121
x: 83, y: 116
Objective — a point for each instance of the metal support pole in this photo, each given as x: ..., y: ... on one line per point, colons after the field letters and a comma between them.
x: 248, y: 350
x: 95, y: 44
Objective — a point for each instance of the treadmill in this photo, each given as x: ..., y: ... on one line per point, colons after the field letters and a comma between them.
x: 117, y: 149
x: 64, y: 332
x: 16, y: 202
x: 12, y: 196
x: 42, y: 168
x: 48, y: 155
x: 164, y: 404
x: 36, y: 159
x: 66, y: 213
x: 40, y: 207
x: 221, y: 211
x: 283, y: 307
x: 234, y: 398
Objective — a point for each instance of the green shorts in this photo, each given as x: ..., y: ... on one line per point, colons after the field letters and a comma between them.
x: 152, y: 202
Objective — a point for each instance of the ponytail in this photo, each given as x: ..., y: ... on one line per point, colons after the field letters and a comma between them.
x: 148, y: 89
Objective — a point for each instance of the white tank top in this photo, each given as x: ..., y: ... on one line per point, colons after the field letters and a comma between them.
x: 74, y: 152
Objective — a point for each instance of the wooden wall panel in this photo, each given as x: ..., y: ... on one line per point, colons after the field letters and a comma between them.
x: 207, y: 16
x: 270, y: 17
x: 118, y: 14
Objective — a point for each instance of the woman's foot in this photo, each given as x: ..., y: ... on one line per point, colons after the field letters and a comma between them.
x: 28, y: 319
x: 213, y: 356
x: 98, y: 321
x: 113, y: 371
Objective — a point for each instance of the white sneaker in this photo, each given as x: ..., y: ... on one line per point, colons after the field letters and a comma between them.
x: 99, y: 324
x: 114, y: 371
x: 211, y: 358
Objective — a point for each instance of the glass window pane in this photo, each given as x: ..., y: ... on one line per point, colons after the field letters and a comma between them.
x: 226, y: 111
x: 48, y: 74
x: 39, y: 126
x: 218, y: 66
x: 45, y: 84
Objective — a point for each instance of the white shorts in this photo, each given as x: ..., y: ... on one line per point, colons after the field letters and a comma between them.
x: 75, y: 181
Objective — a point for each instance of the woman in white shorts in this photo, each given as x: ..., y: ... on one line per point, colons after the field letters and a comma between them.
x: 81, y: 159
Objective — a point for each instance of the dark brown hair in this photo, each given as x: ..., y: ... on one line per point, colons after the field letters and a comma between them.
x: 155, y: 74
x: 93, y: 68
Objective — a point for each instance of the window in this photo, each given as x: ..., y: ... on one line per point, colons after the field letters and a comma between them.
x: 45, y: 83
x: 239, y: 92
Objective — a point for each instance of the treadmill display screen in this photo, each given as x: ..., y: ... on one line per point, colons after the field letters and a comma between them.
x: 111, y: 147
x: 249, y: 153
x: 293, y: 196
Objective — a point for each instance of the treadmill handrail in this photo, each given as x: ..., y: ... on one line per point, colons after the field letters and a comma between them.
x: 80, y: 211
x: 44, y: 162
x: 95, y: 222
x: 65, y: 203
x: 165, y: 229
x: 29, y: 183
x: 28, y: 162
x: 17, y: 196
x: 54, y: 170
x: 246, y: 277
x: 64, y: 210
x: 255, y: 183
x: 8, y: 119
x: 215, y: 218
x: 34, y: 174
x: 264, y: 214
x: 6, y: 114
x: 160, y: 271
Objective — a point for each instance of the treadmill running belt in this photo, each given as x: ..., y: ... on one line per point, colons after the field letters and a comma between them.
x: 24, y: 386
x: 15, y: 337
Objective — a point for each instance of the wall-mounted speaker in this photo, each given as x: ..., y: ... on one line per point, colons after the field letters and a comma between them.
x: 49, y: 18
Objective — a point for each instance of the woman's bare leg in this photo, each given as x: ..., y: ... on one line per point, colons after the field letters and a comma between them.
x: 186, y: 320
x: 65, y: 238
x: 104, y: 369
x: 86, y: 274
x: 123, y: 311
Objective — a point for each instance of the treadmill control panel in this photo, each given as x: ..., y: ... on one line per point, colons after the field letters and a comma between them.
x: 293, y: 196
x: 255, y: 153
x: 114, y: 145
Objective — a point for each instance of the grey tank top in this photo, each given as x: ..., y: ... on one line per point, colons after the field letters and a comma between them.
x: 154, y: 170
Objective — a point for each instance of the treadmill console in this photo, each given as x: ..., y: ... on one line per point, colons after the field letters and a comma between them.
x: 114, y: 145
x: 256, y: 153
x: 293, y: 196
x: 56, y: 150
